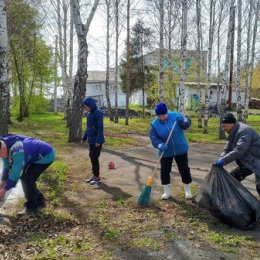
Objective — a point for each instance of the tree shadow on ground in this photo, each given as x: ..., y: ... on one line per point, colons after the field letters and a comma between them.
x: 117, y: 193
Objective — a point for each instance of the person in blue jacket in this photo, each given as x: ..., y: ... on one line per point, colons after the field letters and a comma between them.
x: 25, y: 158
x: 176, y: 148
x: 94, y: 134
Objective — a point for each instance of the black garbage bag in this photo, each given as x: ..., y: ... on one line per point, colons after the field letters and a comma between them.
x: 228, y: 200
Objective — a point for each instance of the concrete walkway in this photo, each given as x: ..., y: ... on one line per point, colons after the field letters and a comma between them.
x: 135, y: 164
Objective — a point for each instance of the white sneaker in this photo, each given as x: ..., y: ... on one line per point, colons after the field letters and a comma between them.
x: 187, y: 191
x: 167, y: 192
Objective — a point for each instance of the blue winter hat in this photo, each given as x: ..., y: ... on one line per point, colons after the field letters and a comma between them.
x: 161, y: 109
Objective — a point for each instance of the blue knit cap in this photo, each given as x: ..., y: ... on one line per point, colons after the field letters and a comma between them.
x: 161, y: 109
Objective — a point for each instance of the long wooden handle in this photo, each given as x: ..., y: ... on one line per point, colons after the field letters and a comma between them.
x: 158, y: 161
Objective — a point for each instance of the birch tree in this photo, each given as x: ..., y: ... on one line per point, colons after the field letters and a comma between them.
x: 4, y: 85
x: 183, y: 54
x: 238, y: 77
x: 66, y: 74
x: 248, y: 47
x: 80, y: 79
x: 55, y: 76
x: 220, y: 22
x: 161, y: 52
x: 116, y: 12
x: 107, y: 83
x: 210, y: 44
x: 227, y: 67
x: 252, y: 60
x: 198, y: 58
x: 128, y: 61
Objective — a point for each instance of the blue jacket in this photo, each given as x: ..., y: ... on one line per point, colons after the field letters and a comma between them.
x: 159, y: 133
x: 95, y: 125
x: 23, y: 151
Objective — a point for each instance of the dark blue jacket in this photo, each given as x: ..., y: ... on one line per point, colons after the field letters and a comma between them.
x: 95, y: 123
x: 22, y: 151
x: 160, y: 131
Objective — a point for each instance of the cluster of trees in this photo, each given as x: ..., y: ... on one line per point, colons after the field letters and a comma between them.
x: 207, y: 26
x: 30, y: 61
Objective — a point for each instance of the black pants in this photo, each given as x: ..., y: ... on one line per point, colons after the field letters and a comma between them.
x: 241, y: 172
x: 29, y: 177
x: 183, y: 167
x: 94, y: 153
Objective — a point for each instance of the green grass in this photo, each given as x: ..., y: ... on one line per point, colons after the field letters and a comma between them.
x: 52, y: 128
x: 55, y: 181
x: 118, y: 221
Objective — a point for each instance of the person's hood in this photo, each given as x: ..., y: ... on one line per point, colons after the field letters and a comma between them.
x: 90, y: 102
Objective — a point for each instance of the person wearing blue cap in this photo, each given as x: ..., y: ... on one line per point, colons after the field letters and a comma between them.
x: 243, y: 146
x: 176, y: 148
x: 94, y: 134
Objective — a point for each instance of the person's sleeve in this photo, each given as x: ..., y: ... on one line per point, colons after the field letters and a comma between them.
x: 5, y: 172
x: 17, y: 165
x: 186, y: 123
x: 240, y: 149
x: 155, y: 140
x: 100, y: 128
x: 226, y: 150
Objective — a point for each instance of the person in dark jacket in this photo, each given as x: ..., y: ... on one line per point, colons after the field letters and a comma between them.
x: 95, y: 136
x: 25, y: 158
x: 176, y: 148
x: 243, y: 146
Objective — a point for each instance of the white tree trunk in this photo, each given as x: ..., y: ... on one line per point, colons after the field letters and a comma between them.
x: 81, y: 74
x: 207, y: 90
x: 107, y: 84
x: 55, y: 76
x: 116, y: 57
x: 4, y: 84
x: 220, y: 21
x: 128, y: 62
x: 70, y: 76
x: 251, y: 64
x: 161, y: 70
x: 227, y: 64
x: 183, y: 54
x: 238, y: 85
x: 198, y: 59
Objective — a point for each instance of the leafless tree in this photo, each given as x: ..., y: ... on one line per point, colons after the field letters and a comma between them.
x: 227, y: 66
x: 183, y: 54
x: 81, y: 74
x: 250, y: 66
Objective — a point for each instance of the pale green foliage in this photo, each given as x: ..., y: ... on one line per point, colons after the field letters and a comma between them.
x: 31, y: 62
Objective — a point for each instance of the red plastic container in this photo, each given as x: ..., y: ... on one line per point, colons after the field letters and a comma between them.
x: 111, y: 165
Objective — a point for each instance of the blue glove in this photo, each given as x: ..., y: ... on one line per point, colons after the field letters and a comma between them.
x: 219, y: 163
x: 179, y: 119
x: 163, y: 147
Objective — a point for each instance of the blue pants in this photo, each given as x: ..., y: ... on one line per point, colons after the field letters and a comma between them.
x: 29, y: 178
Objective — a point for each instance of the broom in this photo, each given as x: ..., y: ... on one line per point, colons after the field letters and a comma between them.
x: 145, y: 195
